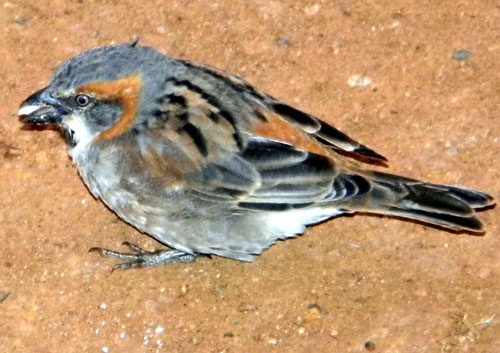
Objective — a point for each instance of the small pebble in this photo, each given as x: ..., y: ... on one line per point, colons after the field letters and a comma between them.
x: 22, y: 22
x: 159, y: 330
x: 451, y: 152
x: 313, y: 314
x: 272, y: 341
x: 105, y: 349
x: 283, y: 42
x: 370, y: 346
x: 161, y: 29
x: 359, y: 81
x: 395, y: 24
x: 461, y: 55
x: 4, y: 296
x: 245, y: 307
x: 312, y: 10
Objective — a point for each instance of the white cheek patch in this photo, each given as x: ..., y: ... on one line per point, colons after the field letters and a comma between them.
x: 82, y: 135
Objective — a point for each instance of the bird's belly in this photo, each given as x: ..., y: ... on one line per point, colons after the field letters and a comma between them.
x: 184, y: 222
x: 161, y: 213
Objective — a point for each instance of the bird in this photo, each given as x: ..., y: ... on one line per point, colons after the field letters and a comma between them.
x: 207, y: 164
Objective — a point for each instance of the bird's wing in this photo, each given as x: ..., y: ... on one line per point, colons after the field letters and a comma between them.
x: 223, y: 150
x: 266, y: 105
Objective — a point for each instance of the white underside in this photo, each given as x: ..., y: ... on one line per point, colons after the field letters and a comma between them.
x: 293, y: 223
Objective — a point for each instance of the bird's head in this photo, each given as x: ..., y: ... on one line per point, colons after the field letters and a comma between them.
x: 99, y: 94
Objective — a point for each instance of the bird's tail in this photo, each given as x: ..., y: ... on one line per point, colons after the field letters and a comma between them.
x: 447, y: 206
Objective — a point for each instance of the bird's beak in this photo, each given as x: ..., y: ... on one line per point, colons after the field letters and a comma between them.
x: 41, y: 109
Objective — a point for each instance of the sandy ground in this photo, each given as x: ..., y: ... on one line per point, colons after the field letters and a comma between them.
x: 399, y: 285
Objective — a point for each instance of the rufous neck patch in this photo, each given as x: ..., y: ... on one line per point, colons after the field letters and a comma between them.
x: 126, y: 92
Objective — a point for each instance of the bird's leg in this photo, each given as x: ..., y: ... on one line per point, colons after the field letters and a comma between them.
x: 139, y: 258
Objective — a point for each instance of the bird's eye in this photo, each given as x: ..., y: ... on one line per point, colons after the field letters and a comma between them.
x: 82, y: 100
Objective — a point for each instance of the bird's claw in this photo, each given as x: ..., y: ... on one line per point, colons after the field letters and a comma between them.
x: 140, y: 258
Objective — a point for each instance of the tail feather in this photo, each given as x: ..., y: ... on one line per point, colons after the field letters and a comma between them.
x: 448, y: 206
x: 448, y: 220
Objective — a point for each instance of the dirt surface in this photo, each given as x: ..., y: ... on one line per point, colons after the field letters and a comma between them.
x: 399, y: 285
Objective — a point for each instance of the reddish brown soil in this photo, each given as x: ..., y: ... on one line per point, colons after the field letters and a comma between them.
x: 402, y: 286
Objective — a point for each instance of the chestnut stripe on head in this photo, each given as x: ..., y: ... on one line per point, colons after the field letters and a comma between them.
x: 124, y: 91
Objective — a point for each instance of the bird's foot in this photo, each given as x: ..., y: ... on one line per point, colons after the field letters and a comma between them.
x: 139, y: 258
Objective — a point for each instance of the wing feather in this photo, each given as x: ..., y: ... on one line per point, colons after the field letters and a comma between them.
x: 209, y: 140
x: 319, y: 130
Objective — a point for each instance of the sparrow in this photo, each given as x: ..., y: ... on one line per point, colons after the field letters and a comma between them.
x: 205, y: 163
